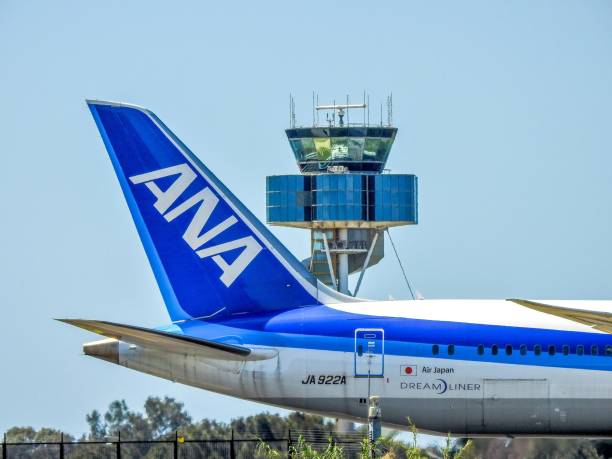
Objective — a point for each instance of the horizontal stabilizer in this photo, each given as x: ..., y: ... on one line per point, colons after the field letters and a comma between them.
x: 170, y: 342
x: 598, y: 320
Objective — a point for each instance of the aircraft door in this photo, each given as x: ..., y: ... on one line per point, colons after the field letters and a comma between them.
x: 369, y: 352
x: 514, y: 405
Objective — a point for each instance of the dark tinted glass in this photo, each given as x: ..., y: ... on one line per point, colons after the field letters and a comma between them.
x: 359, y: 149
x: 537, y: 349
x: 523, y: 349
x: 580, y: 349
x: 295, y: 198
x: 551, y: 350
x: 296, y: 133
x: 608, y: 350
x: 451, y: 349
x: 480, y: 349
x: 566, y: 349
x: 594, y: 349
x: 508, y: 349
x: 435, y: 349
x: 494, y: 349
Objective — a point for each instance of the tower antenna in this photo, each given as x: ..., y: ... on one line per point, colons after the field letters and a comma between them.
x: 364, y: 108
x: 313, y: 108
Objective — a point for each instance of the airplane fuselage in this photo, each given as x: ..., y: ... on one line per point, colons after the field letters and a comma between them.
x: 445, y: 375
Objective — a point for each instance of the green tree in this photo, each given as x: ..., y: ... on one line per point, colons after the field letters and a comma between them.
x: 31, y: 435
x: 525, y: 448
x: 97, y: 428
x: 162, y: 417
x: 165, y: 416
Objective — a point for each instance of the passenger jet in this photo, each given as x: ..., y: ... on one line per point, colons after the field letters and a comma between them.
x: 248, y: 320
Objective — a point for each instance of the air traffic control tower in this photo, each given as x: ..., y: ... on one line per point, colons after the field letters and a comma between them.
x: 343, y: 194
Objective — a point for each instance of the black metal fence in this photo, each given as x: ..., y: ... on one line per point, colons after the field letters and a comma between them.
x: 177, y: 446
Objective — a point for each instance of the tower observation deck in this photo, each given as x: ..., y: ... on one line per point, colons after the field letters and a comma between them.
x: 344, y: 194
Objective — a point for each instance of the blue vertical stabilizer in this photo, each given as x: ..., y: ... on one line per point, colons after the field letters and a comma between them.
x: 210, y: 255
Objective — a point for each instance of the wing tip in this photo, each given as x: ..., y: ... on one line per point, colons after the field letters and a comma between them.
x: 66, y: 321
x: 72, y: 321
x: 521, y: 301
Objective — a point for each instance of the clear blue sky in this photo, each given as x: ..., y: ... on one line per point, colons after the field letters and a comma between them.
x: 504, y: 112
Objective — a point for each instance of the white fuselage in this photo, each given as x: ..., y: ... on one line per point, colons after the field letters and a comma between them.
x: 436, y: 392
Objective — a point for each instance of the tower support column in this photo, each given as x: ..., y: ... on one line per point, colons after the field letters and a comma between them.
x: 343, y: 262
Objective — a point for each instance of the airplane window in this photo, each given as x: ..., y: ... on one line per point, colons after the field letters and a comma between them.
x: 508, y: 349
x: 480, y: 349
x: 580, y: 349
x: 494, y: 349
x: 565, y: 349
x: 451, y: 349
x: 594, y: 350
x: 537, y: 349
x: 435, y: 349
x: 608, y: 350
x: 523, y: 349
x: 551, y: 350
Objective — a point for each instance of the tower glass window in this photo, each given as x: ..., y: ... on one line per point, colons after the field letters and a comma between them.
x: 357, y: 148
x: 296, y: 200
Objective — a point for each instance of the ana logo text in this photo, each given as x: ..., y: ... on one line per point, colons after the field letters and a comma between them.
x: 193, y: 235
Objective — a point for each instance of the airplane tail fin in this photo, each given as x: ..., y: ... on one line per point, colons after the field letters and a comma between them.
x: 210, y: 255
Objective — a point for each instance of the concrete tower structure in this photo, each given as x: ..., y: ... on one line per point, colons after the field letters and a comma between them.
x: 343, y: 194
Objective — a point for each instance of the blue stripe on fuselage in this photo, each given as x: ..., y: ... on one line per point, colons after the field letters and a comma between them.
x: 325, y: 328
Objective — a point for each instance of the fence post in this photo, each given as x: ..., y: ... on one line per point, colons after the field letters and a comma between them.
x: 288, y: 440
x: 62, y: 445
x: 232, y: 447
x: 176, y: 444
x: 118, y: 445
